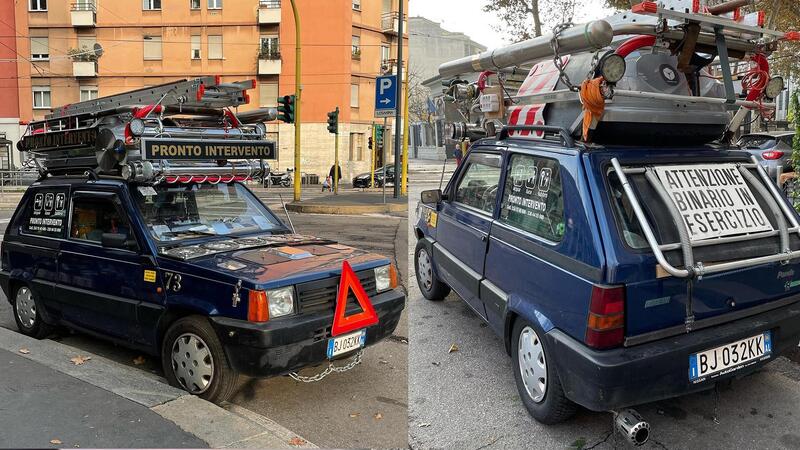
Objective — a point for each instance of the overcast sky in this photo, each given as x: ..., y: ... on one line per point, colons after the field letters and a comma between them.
x: 467, y: 17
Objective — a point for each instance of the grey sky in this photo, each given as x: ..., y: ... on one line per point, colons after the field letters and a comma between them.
x: 467, y: 17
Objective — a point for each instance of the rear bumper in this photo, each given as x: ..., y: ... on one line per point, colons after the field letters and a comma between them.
x: 288, y: 344
x: 605, y: 380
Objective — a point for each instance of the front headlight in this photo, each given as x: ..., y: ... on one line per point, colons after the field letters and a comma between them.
x: 281, y: 301
x: 383, y: 278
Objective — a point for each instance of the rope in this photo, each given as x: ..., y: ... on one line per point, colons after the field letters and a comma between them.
x: 594, y: 104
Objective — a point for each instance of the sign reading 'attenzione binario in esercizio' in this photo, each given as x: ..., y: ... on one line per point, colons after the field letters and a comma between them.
x: 713, y: 199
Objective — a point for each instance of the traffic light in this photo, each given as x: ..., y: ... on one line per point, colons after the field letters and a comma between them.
x: 333, y: 121
x: 379, y: 136
x: 286, y: 108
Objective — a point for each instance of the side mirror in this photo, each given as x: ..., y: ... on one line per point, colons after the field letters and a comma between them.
x: 116, y: 240
x: 433, y: 196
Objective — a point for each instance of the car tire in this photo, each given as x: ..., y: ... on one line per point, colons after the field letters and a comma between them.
x: 429, y: 284
x: 194, y: 360
x: 545, y: 399
x: 27, y: 309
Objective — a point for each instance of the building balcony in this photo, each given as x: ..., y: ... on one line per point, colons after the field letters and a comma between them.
x: 84, y: 14
x: 269, y: 12
x: 269, y: 64
x: 390, y: 23
x: 84, y: 68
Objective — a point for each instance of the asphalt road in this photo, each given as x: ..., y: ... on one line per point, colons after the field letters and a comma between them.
x: 365, y: 407
x: 468, y: 399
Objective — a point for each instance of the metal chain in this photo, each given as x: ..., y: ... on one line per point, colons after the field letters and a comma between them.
x: 329, y: 370
x: 557, y: 61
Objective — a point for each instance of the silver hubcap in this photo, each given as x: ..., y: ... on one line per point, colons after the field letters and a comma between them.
x: 424, y: 270
x: 192, y: 363
x: 26, y: 307
x: 532, y: 364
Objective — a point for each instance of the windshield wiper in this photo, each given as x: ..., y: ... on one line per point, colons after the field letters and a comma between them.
x: 196, y: 232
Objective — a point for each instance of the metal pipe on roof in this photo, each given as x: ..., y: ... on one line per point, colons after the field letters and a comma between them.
x: 592, y: 35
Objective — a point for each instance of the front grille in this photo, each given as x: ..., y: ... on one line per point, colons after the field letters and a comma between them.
x: 320, y: 295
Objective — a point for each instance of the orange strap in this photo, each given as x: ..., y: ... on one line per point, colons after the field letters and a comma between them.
x: 593, y: 103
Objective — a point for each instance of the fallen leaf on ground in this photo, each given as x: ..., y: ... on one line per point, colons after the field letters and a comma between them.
x: 453, y: 348
x: 79, y: 360
x: 24, y: 351
x: 139, y: 360
x: 297, y: 441
x: 436, y: 363
x: 55, y: 441
x: 353, y: 415
x: 378, y: 416
x: 424, y: 425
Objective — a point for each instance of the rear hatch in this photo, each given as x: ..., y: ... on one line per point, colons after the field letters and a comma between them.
x: 729, y: 206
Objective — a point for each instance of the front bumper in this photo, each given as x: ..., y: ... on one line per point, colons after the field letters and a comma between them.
x: 287, y: 344
x: 361, y: 183
x: 612, y: 379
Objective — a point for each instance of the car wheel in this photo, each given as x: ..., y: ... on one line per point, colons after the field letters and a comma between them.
x: 429, y: 284
x: 194, y: 360
x: 26, y: 314
x: 536, y: 376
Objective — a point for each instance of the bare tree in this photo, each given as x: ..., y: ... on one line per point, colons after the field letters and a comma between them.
x: 525, y: 19
x: 418, y: 95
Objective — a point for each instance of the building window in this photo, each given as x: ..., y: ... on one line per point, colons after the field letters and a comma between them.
x: 215, y: 47
x: 356, y: 147
x: 37, y: 5
x: 269, y: 48
x: 41, y: 97
x: 152, y: 48
x: 151, y: 4
x: 268, y: 94
x: 86, y: 44
x: 195, y: 47
x: 214, y: 4
x: 356, y: 47
x: 354, y: 96
x: 194, y: 4
x: 386, y: 55
x: 88, y: 93
x: 387, y: 6
x: 357, y: 5
x: 40, y: 48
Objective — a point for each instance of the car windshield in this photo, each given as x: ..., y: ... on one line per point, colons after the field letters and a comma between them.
x: 175, y: 212
x: 759, y: 142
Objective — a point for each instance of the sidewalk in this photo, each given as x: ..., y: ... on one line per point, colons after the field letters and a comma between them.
x: 352, y: 202
x: 45, y: 396
x: 41, y: 407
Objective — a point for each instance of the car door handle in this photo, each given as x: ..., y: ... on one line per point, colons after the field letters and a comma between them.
x: 483, y: 238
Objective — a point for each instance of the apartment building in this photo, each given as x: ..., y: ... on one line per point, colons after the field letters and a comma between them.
x: 75, y: 50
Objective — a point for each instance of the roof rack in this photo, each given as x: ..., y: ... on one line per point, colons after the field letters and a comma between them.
x: 183, y: 130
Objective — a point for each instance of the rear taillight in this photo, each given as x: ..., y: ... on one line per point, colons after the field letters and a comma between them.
x: 257, y: 307
x: 772, y: 154
x: 605, y: 327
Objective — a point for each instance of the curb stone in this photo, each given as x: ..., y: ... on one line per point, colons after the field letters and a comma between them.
x: 234, y: 427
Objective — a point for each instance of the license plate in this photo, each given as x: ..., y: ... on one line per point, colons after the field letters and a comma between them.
x: 729, y: 357
x: 347, y: 343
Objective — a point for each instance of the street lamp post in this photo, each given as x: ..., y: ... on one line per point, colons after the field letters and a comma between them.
x: 398, y: 127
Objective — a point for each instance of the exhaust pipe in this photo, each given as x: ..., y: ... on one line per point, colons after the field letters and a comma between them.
x: 630, y: 424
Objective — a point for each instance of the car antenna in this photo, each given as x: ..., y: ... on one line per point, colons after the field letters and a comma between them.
x: 441, y: 179
x: 286, y: 211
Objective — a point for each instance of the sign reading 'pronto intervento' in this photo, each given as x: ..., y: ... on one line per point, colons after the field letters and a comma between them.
x: 194, y: 149
x: 713, y: 200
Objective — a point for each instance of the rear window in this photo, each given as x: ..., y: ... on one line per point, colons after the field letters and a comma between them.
x: 757, y: 142
x: 46, y: 213
x: 532, y: 198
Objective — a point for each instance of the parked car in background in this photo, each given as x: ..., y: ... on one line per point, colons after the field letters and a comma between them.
x: 772, y: 149
x: 363, y: 180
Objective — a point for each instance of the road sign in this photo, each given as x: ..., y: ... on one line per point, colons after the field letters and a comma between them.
x: 386, y: 96
x: 341, y: 324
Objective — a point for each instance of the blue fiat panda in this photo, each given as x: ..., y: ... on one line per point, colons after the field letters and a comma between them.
x: 200, y: 274
x: 615, y: 275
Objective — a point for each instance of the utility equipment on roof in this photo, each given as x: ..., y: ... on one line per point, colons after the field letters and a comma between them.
x: 184, y: 131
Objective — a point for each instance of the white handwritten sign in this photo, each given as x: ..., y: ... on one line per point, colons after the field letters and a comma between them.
x: 713, y: 200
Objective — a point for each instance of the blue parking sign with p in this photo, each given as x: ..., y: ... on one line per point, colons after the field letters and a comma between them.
x: 386, y: 96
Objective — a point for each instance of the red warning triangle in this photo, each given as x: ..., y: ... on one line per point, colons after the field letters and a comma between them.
x: 342, y: 324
